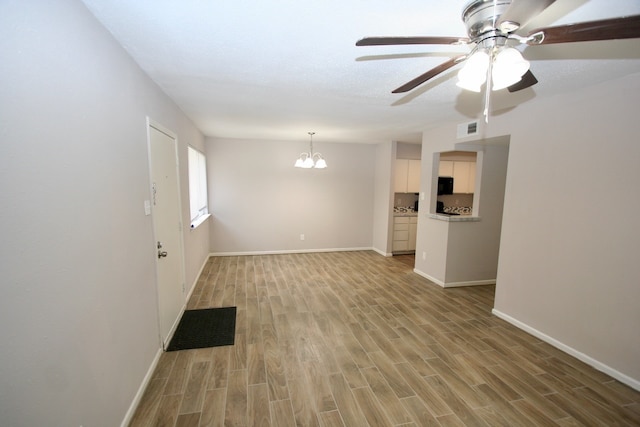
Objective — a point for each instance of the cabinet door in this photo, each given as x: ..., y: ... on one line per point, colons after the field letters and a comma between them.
x: 461, y: 177
x: 400, y: 245
x: 446, y: 168
x: 471, y: 187
x: 413, y: 177
x: 402, y: 172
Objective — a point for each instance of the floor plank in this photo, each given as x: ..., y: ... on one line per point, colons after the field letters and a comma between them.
x: 357, y: 339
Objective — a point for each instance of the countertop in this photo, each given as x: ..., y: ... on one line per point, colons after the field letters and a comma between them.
x: 404, y: 212
x: 454, y: 218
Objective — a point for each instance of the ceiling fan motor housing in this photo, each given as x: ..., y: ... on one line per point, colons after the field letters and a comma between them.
x: 480, y: 16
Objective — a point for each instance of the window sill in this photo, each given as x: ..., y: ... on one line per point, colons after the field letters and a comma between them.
x: 195, y: 224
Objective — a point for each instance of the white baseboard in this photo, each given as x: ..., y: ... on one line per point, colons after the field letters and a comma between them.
x: 426, y: 276
x: 470, y: 283
x: 383, y: 253
x: 292, y: 251
x: 143, y: 386
x: 156, y: 359
x: 454, y: 284
x: 184, y: 306
x: 625, y: 379
x: 195, y: 282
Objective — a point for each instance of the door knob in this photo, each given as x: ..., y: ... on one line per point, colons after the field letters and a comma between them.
x: 162, y: 254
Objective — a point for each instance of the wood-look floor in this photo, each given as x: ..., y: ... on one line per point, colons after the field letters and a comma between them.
x: 357, y: 339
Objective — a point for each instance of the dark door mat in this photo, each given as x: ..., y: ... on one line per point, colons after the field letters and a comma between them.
x: 210, y: 327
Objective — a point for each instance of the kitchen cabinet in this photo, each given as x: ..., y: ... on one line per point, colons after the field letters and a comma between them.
x: 446, y: 168
x: 463, y: 173
x: 407, y: 178
x: 404, y: 234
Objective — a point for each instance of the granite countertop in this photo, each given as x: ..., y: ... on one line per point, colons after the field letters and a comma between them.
x: 454, y: 218
x: 399, y: 211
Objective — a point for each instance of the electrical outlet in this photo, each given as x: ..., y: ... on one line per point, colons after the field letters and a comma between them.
x: 302, y: 237
x: 424, y: 256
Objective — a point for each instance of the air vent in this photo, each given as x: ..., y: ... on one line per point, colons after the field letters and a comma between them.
x: 467, y: 129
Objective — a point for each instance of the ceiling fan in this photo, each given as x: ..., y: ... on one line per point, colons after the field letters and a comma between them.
x: 492, y: 26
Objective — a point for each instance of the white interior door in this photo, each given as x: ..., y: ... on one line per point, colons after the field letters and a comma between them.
x: 167, y: 229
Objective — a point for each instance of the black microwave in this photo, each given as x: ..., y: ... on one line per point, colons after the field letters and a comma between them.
x: 445, y: 185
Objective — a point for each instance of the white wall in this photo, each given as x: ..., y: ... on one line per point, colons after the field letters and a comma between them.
x: 383, y: 199
x: 405, y: 150
x: 261, y: 203
x: 569, y: 257
x: 462, y: 253
x: 78, y: 312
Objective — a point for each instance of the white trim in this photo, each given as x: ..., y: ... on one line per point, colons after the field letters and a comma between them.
x: 174, y: 327
x: 631, y: 382
x: 385, y: 254
x: 157, y: 126
x: 193, y: 285
x: 143, y: 387
x: 292, y: 251
x: 184, y: 306
x: 470, y: 283
x: 455, y: 284
x: 426, y: 276
x: 154, y: 364
x: 196, y: 222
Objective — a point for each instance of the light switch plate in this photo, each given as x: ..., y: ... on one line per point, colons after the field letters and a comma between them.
x: 147, y: 207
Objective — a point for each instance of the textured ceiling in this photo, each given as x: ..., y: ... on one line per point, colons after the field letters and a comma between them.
x: 277, y: 69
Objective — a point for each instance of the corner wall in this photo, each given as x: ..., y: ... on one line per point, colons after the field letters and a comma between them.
x: 78, y: 296
x: 568, y: 256
x: 383, y: 199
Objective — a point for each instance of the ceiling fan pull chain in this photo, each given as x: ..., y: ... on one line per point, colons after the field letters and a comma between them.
x: 487, y: 88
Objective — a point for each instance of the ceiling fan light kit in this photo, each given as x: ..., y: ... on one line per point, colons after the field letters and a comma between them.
x: 311, y: 160
x: 490, y: 25
x: 508, y: 68
x: 474, y: 72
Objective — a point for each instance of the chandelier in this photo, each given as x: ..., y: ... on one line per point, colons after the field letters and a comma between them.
x: 311, y: 160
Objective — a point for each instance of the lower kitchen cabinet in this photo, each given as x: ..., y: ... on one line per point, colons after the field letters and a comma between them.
x: 404, y: 234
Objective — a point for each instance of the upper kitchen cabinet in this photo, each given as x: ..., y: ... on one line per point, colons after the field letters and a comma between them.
x: 463, y: 172
x: 407, y: 179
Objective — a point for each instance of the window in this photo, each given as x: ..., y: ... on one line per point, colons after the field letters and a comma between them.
x: 198, y: 204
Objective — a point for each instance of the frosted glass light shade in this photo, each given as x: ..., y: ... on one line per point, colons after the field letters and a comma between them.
x: 474, y: 73
x: 508, y: 68
x: 307, y: 163
x: 321, y: 163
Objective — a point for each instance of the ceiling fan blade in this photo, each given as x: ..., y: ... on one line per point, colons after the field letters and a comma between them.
x: 520, y: 12
x: 528, y: 80
x: 605, y: 29
x: 383, y: 41
x: 429, y: 74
